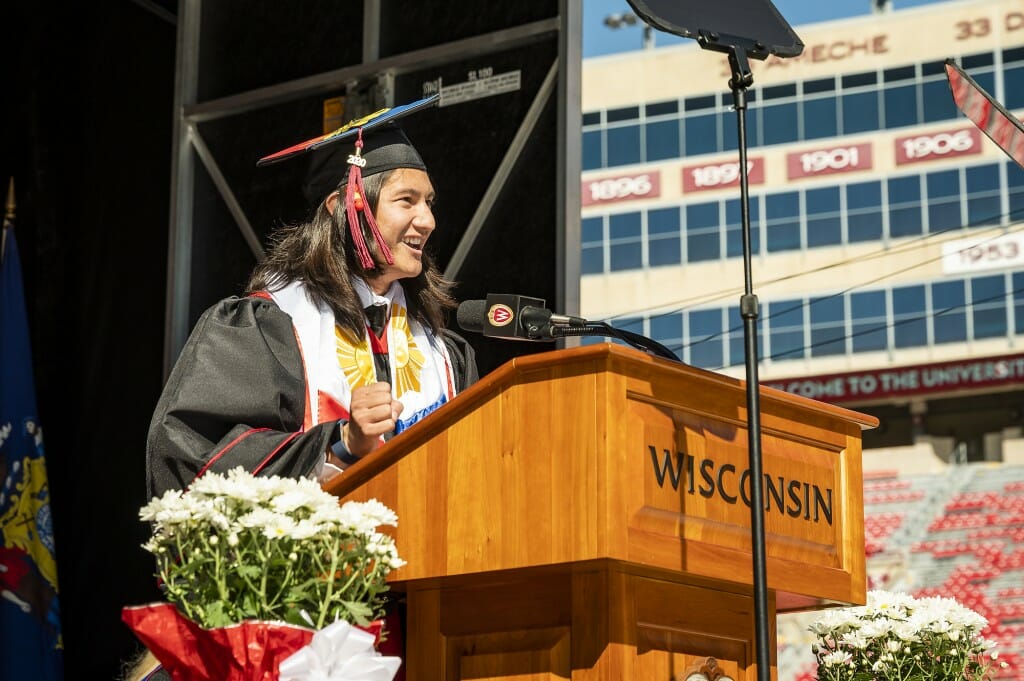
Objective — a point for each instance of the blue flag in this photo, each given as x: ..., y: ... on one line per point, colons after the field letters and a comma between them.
x: 30, y: 640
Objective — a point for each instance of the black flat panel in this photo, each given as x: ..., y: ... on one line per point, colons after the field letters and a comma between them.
x: 408, y: 26
x: 247, y: 44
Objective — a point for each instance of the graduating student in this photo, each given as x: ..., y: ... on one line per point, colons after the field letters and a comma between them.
x: 339, y: 343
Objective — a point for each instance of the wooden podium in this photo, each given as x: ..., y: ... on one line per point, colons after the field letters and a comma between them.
x: 580, y: 514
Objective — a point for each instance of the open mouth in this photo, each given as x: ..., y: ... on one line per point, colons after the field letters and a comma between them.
x: 414, y: 242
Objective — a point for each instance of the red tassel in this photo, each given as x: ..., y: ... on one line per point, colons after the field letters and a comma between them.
x: 356, y: 205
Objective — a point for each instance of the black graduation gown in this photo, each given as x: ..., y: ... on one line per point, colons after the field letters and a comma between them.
x: 237, y: 397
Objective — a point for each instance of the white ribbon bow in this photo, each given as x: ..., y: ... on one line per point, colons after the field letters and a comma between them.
x: 339, y: 652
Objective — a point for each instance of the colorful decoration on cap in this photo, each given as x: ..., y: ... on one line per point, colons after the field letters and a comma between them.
x: 350, y: 129
x: 356, y: 205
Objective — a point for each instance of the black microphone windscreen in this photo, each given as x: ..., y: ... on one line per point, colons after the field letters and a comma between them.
x: 471, y: 315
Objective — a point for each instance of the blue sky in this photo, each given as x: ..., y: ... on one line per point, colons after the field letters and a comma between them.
x: 598, y: 39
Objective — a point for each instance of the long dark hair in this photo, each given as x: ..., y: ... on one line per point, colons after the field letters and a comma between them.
x: 320, y: 255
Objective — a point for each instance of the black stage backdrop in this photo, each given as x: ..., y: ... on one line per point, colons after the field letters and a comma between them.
x: 86, y: 111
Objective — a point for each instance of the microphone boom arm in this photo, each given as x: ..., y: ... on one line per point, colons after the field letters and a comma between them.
x: 604, y: 329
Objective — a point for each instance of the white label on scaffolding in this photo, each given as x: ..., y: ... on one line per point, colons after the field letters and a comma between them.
x: 479, y: 85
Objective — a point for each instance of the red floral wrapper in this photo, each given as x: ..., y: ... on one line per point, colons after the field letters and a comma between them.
x: 249, y: 651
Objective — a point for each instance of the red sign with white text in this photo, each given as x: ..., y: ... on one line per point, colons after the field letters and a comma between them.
x: 936, y: 146
x: 922, y: 379
x: 815, y: 162
x: 720, y: 175
x: 622, y: 188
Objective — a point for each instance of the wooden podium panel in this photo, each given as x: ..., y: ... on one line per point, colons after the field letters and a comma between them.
x: 586, y: 508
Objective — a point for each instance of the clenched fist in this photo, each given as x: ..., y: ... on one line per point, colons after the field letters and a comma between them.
x: 372, y: 413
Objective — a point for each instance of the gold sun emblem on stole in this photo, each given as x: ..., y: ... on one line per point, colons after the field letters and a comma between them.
x: 409, y: 358
x: 355, y: 358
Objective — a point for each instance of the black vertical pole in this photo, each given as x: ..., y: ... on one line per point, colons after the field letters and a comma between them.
x: 741, y: 78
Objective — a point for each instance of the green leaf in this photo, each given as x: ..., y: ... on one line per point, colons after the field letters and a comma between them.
x: 215, y: 615
x: 249, y: 571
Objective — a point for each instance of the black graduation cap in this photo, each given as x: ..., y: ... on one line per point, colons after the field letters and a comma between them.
x: 380, y: 145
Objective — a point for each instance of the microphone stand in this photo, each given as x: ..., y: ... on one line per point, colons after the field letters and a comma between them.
x: 737, y: 49
x: 604, y: 329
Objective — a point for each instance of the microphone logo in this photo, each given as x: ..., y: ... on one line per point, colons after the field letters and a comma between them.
x: 500, y: 315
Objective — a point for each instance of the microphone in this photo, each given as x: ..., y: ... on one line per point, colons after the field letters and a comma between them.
x: 515, y: 317
x: 512, y: 317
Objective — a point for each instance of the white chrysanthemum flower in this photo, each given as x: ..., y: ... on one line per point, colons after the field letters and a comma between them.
x: 257, y: 518
x: 169, y: 498
x: 855, y: 639
x: 879, y: 666
x: 379, y: 514
x: 278, y: 527
x: 835, y: 622
x: 290, y: 501
x: 876, y: 628
x: 906, y: 631
x: 209, y: 485
x: 169, y: 516
x: 886, y: 603
x: 331, y: 516
x: 893, y: 646
x: 839, y: 657
x: 305, y: 529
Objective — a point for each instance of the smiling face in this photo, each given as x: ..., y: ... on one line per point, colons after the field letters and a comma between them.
x: 406, y: 219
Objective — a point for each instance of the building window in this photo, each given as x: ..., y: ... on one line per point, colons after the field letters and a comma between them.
x: 864, y: 211
x: 869, y: 314
x: 779, y: 123
x: 661, y: 140
x: 988, y: 306
x: 1013, y: 87
x: 909, y: 317
x: 664, y: 237
x: 828, y: 326
x: 592, y: 236
x: 705, y: 346
x: 860, y: 112
x: 1015, y: 191
x: 949, y: 310
x: 782, y: 213
x: 820, y: 118
x: 943, y: 201
x: 983, y: 195
x: 900, y: 106
x: 624, y: 242
x: 702, y: 232
x: 1018, y: 302
x: 824, y: 219
x: 592, y: 150
x: 667, y: 329
x: 623, y: 145
x: 786, y: 329
x: 936, y: 102
x: 701, y: 134
x: 904, y: 206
